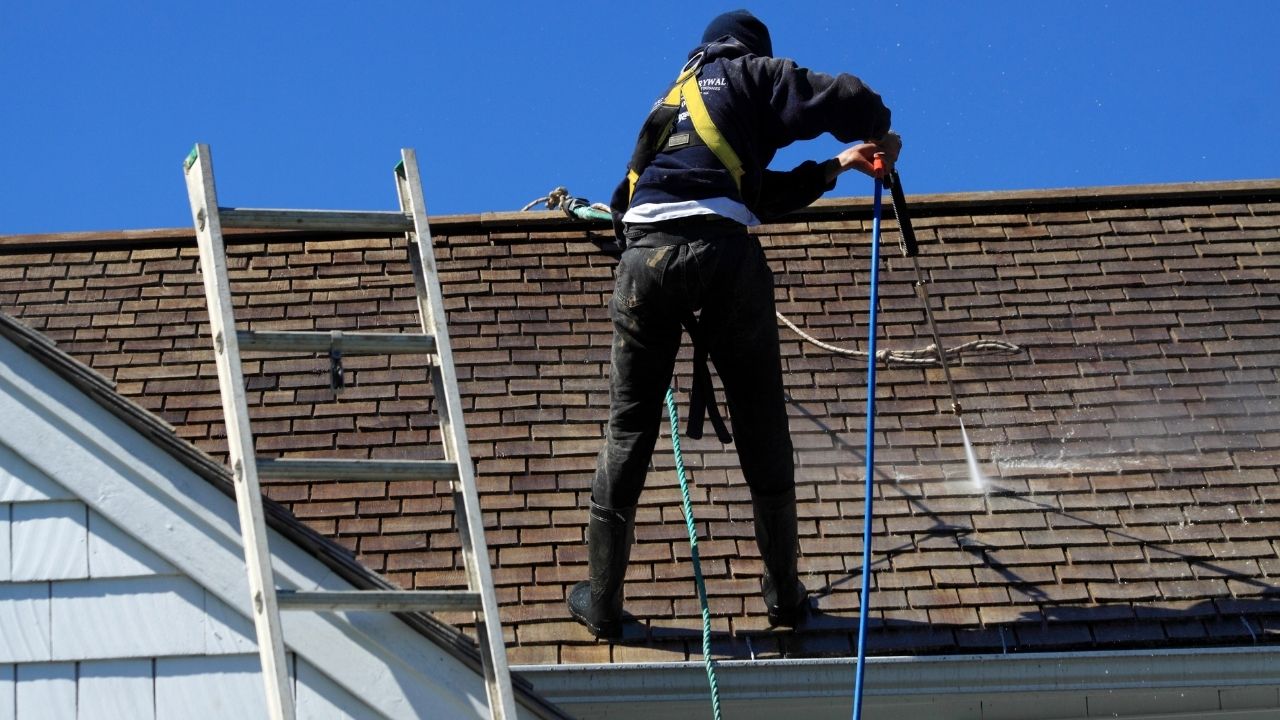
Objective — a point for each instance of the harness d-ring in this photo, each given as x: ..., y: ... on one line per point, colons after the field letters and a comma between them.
x: 694, y: 63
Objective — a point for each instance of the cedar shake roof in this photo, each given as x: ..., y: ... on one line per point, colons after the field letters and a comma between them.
x: 1132, y: 447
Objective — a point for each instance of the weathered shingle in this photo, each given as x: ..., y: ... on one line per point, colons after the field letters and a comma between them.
x: 127, y: 618
x: 39, y: 526
x: 115, y: 688
x: 45, y: 690
x: 24, y: 622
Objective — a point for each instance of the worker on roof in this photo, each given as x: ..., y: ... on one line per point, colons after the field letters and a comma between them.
x: 696, y: 181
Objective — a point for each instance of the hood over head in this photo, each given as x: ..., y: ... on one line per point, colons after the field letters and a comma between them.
x: 742, y: 26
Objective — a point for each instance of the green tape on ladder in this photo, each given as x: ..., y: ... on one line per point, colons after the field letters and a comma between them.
x: 191, y: 158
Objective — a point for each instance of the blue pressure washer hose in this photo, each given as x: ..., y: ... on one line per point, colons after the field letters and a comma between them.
x: 864, y: 601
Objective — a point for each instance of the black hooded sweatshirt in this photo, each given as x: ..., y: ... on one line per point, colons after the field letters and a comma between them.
x: 759, y: 104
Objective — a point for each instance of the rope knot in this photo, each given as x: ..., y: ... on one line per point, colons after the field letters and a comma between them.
x: 556, y: 198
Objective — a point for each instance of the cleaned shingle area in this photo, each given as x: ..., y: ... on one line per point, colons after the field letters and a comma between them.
x: 1131, y: 449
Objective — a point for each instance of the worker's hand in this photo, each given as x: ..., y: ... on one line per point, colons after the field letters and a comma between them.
x: 861, y: 157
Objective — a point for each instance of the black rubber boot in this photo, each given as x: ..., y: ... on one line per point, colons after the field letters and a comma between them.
x: 785, y: 597
x: 597, y: 602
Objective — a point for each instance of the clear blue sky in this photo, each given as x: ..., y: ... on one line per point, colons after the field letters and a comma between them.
x: 307, y: 104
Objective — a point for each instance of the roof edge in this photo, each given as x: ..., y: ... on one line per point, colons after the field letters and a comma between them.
x: 826, y: 208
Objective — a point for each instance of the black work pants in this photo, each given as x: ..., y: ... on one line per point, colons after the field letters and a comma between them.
x: 718, y: 269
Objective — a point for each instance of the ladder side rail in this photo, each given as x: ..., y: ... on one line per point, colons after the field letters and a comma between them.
x: 202, y: 195
x: 453, y: 432
x: 493, y: 650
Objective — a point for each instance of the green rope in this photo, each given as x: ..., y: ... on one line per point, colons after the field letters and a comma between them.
x: 693, y: 547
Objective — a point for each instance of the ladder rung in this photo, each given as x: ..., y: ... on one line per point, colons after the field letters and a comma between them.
x: 379, y: 600
x: 357, y: 470
x: 341, y: 220
x: 348, y: 343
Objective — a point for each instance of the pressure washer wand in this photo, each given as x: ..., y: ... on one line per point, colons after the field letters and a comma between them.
x: 910, y: 249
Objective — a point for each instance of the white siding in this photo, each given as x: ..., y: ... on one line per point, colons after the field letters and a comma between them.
x: 47, y: 691
x: 127, y: 617
x: 20, y: 482
x: 116, y: 689
x: 164, y: 689
x: 6, y: 692
x: 209, y: 688
x: 24, y: 622
x: 114, y: 553
x: 4, y: 541
x: 58, y: 445
x: 319, y: 698
x: 227, y: 632
x: 50, y: 541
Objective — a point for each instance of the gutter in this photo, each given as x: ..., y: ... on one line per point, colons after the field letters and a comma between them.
x: 963, y: 679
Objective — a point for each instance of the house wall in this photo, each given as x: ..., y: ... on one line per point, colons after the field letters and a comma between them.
x: 95, y: 625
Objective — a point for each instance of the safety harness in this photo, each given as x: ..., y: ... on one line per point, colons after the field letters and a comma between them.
x: 656, y: 136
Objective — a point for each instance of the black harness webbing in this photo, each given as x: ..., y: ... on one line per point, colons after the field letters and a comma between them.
x: 702, y: 396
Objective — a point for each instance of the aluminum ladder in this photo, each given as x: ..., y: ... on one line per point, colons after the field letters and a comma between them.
x: 247, y: 468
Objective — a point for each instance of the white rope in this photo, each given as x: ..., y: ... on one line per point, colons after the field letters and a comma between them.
x: 922, y: 356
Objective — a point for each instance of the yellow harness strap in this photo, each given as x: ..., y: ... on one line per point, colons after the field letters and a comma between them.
x: 686, y: 88
x: 692, y: 96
